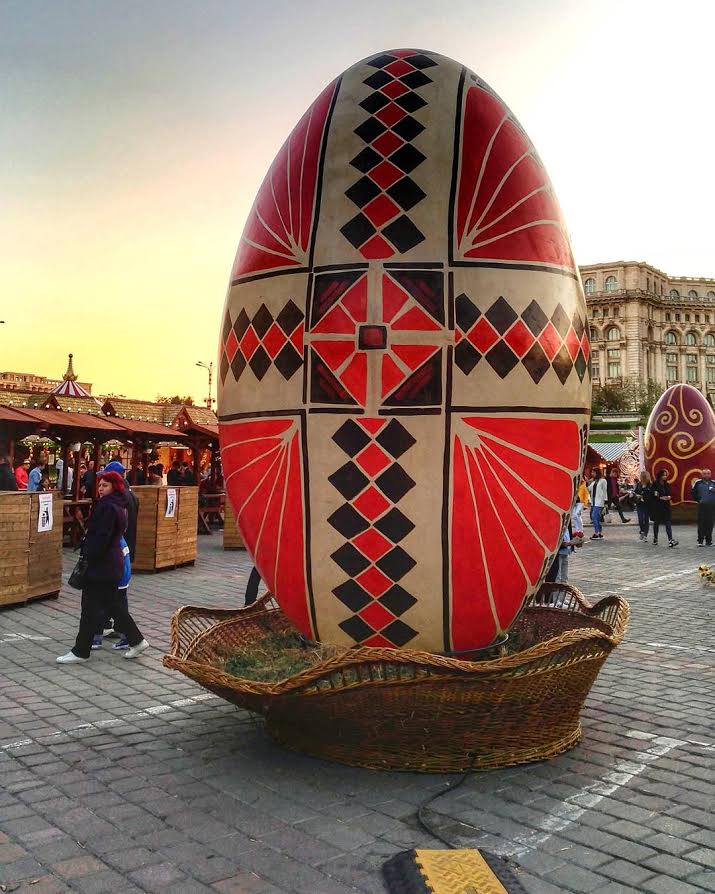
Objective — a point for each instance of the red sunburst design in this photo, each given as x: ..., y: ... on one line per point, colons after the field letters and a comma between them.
x: 506, y: 209
x: 278, y: 229
x: 512, y: 481
x: 262, y: 462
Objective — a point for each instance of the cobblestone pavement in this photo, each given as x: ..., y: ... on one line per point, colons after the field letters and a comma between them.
x: 127, y: 777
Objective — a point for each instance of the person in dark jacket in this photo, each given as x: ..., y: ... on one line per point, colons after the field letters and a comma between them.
x: 642, y: 497
x: 7, y: 476
x: 703, y: 492
x: 105, y: 566
x: 660, y: 513
x: 173, y: 479
x: 614, y: 494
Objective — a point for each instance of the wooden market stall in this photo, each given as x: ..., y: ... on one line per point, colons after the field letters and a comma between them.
x: 231, y: 535
x: 31, y: 554
x: 166, y: 527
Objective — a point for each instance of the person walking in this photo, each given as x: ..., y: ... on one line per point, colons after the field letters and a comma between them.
x: 7, y: 476
x: 598, y: 494
x: 614, y: 494
x: 660, y: 513
x: 102, y: 549
x: 703, y: 492
x: 642, y: 497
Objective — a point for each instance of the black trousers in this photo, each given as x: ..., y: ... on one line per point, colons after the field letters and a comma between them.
x: 99, y: 598
x: 706, y: 516
x: 616, y: 504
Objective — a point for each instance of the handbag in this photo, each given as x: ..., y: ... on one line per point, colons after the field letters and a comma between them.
x: 78, y: 575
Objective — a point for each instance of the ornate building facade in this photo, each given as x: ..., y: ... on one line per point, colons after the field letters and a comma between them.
x: 647, y: 325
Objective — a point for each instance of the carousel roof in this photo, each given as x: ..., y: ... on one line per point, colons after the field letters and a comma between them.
x: 69, y: 386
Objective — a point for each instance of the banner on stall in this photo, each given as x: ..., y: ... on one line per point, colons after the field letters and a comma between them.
x: 170, y: 502
x: 44, y: 515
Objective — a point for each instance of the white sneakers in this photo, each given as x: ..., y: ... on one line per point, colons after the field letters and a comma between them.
x: 135, y: 651
x: 71, y: 658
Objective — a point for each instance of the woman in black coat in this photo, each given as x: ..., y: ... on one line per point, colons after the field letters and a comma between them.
x: 660, y: 507
x: 105, y: 565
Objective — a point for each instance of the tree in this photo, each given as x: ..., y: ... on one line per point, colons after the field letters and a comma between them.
x: 633, y: 396
x: 185, y: 401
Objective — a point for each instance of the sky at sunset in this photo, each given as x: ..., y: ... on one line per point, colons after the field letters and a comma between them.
x: 134, y: 135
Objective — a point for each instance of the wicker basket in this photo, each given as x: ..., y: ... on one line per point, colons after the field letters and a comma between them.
x: 408, y: 710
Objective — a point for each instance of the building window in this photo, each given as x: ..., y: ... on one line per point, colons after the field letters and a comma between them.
x: 589, y: 286
x: 691, y: 359
x: 687, y: 318
x: 674, y: 293
x: 692, y: 294
x: 711, y: 295
x: 611, y: 284
x: 677, y: 318
x: 710, y: 372
x: 667, y: 318
x: 594, y: 334
x: 690, y: 339
x: 671, y: 373
x: 616, y: 311
x: 647, y: 283
x: 710, y: 359
x: 596, y: 373
x: 697, y: 318
x: 613, y: 334
x: 671, y: 338
x: 691, y: 374
x: 709, y: 342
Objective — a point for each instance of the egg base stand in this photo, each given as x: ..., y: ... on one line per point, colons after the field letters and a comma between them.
x: 401, y: 709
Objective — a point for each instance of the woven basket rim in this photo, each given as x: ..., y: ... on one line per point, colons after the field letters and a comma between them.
x: 433, y: 666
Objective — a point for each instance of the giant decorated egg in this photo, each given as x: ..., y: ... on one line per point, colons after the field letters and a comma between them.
x: 404, y: 363
x: 680, y: 438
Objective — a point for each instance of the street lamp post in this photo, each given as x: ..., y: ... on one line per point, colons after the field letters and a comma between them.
x: 210, y: 368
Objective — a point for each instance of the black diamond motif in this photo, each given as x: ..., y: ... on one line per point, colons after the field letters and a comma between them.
x: 349, y: 559
x: 238, y: 364
x: 225, y: 366
x: 353, y: 595
x: 502, y: 359
x: 397, y: 600
x: 467, y: 312
x: 466, y: 356
x: 378, y: 79
x: 357, y: 230
x: 578, y: 325
x: 501, y: 315
x: 366, y: 160
x: 580, y: 365
x: 374, y: 102
x: 394, y: 525
x: 562, y: 364
x: 410, y: 102
x: 408, y: 128
x: 399, y: 633
x: 535, y: 318
x: 394, y: 483
x: 348, y: 521
x: 403, y: 234
x: 561, y: 321
x: 288, y: 361
x: 370, y: 129
x: 395, y: 439
x: 406, y: 193
x: 363, y: 191
x: 407, y: 158
x: 349, y: 481
x: 381, y: 61
x: 227, y: 326
x: 289, y: 317
x: 356, y: 628
x: 242, y: 323
x: 351, y: 438
x: 260, y: 362
x: 536, y: 362
x: 420, y: 61
x: 396, y: 563
x: 262, y: 320
x: 415, y: 79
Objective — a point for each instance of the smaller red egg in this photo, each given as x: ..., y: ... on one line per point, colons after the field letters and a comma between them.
x: 680, y: 437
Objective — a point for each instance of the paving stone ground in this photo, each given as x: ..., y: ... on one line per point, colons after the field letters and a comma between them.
x: 125, y: 776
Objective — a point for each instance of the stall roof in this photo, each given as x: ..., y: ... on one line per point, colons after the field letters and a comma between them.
x: 149, y: 430
x: 610, y: 451
x: 79, y: 421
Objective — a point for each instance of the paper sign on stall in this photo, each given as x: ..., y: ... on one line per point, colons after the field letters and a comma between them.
x: 170, y: 502
x: 44, y: 516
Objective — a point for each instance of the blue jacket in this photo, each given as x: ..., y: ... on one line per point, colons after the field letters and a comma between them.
x: 127, y: 574
x: 704, y: 491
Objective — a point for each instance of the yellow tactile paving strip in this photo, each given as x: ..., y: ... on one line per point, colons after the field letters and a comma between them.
x: 457, y: 872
